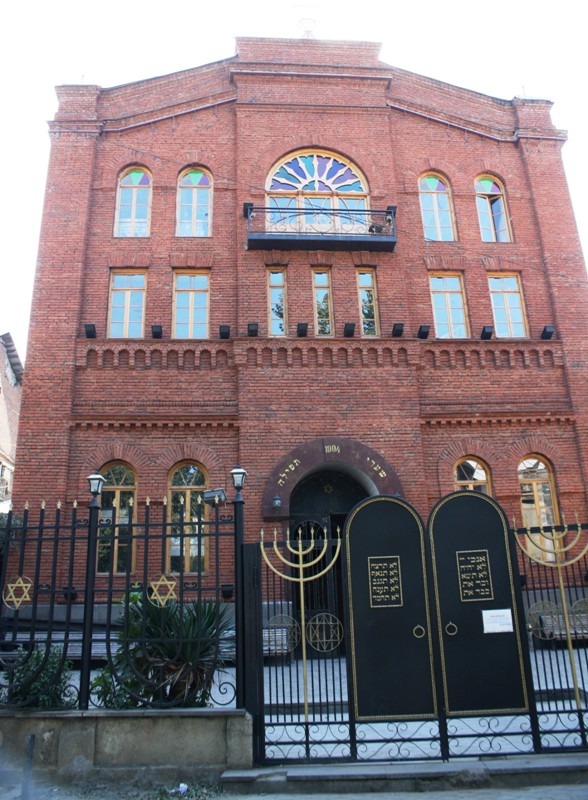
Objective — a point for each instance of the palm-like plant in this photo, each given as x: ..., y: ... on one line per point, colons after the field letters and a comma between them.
x: 167, y: 655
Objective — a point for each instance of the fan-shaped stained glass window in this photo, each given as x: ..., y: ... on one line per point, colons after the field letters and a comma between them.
x: 492, y: 212
x: 133, y: 206
x: 436, y: 209
x: 317, y: 191
x: 193, y: 211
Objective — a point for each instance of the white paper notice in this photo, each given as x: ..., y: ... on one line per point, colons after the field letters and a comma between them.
x: 497, y: 620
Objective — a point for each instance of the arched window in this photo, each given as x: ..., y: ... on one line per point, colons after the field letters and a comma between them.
x: 436, y: 209
x: 538, y: 502
x: 317, y: 191
x: 472, y: 474
x: 194, y: 203
x: 187, y: 545
x: 492, y: 211
x: 117, y: 503
x: 133, y: 203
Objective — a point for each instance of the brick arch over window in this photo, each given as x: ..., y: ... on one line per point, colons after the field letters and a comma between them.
x: 534, y: 444
x: 425, y: 166
x: 107, y: 453
x: 192, y: 451
x: 471, y: 446
x: 367, y: 466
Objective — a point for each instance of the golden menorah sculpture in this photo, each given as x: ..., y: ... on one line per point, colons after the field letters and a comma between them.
x: 556, y: 549
x: 299, y: 569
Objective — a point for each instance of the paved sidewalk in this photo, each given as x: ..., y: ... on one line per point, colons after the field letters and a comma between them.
x: 574, y: 792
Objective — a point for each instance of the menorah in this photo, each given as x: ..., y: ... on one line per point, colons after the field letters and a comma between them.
x: 301, y: 573
x: 552, y: 549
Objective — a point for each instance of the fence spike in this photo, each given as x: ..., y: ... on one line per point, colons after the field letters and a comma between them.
x: 27, y: 505
x: 75, y: 503
x: 59, y: 504
x: 43, y: 504
x: 165, y: 501
x: 147, y: 500
x: 261, y: 534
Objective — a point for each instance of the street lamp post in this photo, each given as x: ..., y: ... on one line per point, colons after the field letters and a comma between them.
x: 238, y: 475
x: 95, y: 481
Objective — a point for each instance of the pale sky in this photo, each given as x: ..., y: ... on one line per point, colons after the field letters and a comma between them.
x: 500, y: 48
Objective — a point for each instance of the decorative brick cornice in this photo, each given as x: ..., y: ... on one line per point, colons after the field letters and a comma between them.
x: 146, y: 423
x: 497, y: 421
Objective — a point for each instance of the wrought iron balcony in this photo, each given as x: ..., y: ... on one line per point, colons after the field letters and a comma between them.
x: 320, y: 229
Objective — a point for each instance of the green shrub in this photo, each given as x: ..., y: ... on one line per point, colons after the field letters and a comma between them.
x: 166, y: 655
x: 39, y: 679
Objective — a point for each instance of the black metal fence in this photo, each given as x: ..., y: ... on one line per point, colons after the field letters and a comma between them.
x: 138, y: 610
x: 304, y: 710
x: 118, y: 611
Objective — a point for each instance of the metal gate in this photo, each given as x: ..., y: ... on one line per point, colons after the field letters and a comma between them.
x: 427, y: 656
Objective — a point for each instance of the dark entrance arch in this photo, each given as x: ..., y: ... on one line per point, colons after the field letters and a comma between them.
x: 348, y: 456
x: 319, y: 505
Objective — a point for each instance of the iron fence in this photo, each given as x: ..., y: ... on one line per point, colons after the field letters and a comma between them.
x: 118, y: 609
x: 304, y: 708
x: 138, y: 609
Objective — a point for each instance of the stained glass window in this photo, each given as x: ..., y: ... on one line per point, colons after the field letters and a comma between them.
x: 317, y: 191
x: 492, y: 213
x: 436, y: 209
x: 133, y: 204
x: 194, y: 204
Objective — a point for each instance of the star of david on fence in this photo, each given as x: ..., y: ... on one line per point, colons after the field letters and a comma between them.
x: 324, y: 632
x: 17, y: 592
x: 162, y: 590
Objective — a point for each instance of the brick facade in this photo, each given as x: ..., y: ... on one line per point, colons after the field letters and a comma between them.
x: 406, y: 407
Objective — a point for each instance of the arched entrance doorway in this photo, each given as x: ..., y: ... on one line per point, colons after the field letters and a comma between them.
x: 319, y: 506
x: 324, y: 498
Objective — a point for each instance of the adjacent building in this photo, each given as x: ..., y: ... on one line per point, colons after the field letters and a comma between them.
x: 347, y: 278
x: 10, y: 394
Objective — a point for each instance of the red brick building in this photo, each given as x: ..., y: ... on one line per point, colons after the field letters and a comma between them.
x: 347, y: 278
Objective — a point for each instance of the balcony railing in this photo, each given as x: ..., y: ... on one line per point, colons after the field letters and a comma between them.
x: 324, y: 229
